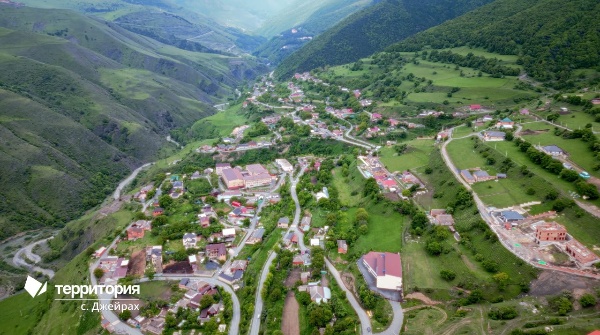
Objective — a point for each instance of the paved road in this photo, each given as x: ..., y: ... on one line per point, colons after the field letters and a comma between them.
x: 258, y: 304
x: 27, y: 251
x: 129, y: 179
x: 365, y: 321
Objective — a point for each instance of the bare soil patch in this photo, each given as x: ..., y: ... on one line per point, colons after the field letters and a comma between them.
x: 422, y: 297
x: 177, y: 267
x: 348, y: 279
x: 534, y: 132
x: 290, y: 324
x: 392, y: 196
x: 137, y: 263
x: 554, y: 282
x: 292, y: 278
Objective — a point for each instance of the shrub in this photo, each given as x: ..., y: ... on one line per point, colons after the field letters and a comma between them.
x: 503, y: 313
x: 587, y: 300
x: 448, y: 275
x: 490, y: 266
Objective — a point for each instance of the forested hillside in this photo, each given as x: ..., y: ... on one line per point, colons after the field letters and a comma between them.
x: 552, y: 38
x: 307, y: 27
x: 83, y: 101
x: 373, y: 29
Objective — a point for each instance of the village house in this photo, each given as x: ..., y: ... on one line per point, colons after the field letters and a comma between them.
x: 550, y: 232
x: 467, y: 176
x: 491, y: 136
x: 376, y: 117
x: 342, y: 247
x: 386, y: 268
x: 256, y: 236
x: 133, y: 233
x: 440, y: 217
x: 216, y: 251
x: 283, y: 222
x: 284, y: 165
x: 98, y: 253
x: 554, y: 151
x: 505, y: 123
x: 410, y: 179
x: 474, y: 108
x: 317, y: 293
x: 228, y: 234
x: 580, y: 253
x: 221, y: 166
x: 193, y: 260
x: 301, y: 260
x: 154, y: 255
x: 190, y: 240
x: 305, y: 223
x: 158, y: 211
x: 234, y: 272
x: 510, y: 216
x: 481, y: 176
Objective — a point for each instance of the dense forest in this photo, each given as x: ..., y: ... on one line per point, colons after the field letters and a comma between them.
x: 552, y: 38
x: 371, y: 30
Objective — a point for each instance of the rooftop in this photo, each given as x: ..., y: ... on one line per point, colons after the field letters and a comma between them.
x: 384, y: 263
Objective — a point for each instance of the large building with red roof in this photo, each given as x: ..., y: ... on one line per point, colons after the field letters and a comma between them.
x: 386, y: 267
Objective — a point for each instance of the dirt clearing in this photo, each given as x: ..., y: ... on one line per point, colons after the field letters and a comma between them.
x: 137, y: 263
x: 290, y: 325
x: 293, y: 277
x: 554, y: 282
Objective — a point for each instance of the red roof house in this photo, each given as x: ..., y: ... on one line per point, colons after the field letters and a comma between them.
x: 386, y: 267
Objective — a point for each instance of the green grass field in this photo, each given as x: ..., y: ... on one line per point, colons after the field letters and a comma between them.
x: 464, y: 156
x: 462, y: 131
x: 385, y: 230
x: 507, y: 59
x: 346, y: 186
x: 155, y: 289
x: 416, y: 156
x: 20, y: 313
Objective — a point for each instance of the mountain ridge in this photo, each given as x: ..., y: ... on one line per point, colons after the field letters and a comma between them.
x: 84, y: 102
x: 372, y: 29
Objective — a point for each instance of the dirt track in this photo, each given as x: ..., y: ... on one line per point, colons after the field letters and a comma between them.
x: 290, y: 325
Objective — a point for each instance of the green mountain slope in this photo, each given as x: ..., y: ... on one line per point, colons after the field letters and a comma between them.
x: 551, y: 37
x: 178, y: 24
x: 83, y: 101
x: 373, y: 29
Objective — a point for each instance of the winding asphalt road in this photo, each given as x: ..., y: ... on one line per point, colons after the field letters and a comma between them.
x: 129, y: 179
x: 27, y: 251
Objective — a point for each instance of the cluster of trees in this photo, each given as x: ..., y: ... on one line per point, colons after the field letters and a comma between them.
x: 492, y: 66
x: 503, y: 313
